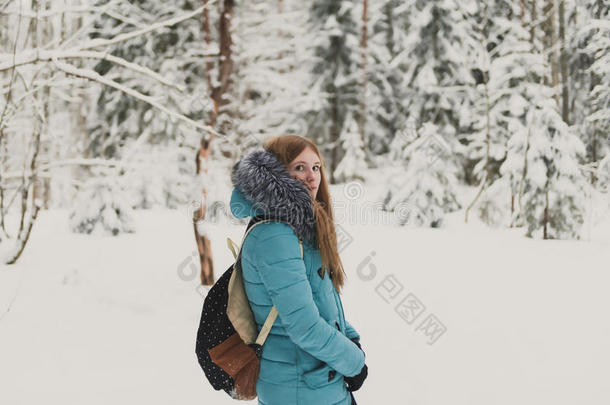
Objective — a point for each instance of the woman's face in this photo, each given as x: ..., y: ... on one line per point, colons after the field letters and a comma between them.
x: 306, y: 167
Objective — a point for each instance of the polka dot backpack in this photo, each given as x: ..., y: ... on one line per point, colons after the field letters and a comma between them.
x: 229, y: 345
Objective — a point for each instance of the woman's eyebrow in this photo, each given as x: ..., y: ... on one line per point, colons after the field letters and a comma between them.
x: 301, y: 161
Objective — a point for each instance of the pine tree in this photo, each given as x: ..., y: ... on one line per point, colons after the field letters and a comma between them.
x: 442, y: 46
x: 386, y: 89
x: 334, y: 83
x: 499, y: 109
x: 269, y: 82
x: 550, y: 186
x: 426, y: 187
x: 353, y: 165
x: 590, y: 68
x: 553, y: 203
x: 437, y: 54
x: 101, y: 209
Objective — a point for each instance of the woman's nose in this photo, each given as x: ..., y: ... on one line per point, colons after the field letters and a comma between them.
x: 310, y: 175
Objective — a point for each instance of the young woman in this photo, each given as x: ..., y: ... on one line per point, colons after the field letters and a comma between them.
x: 312, y: 355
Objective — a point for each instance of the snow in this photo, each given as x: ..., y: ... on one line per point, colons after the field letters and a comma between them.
x: 101, y: 320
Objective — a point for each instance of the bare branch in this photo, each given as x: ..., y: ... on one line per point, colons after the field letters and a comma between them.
x: 23, y: 237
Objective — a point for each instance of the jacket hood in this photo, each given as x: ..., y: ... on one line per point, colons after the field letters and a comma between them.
x: 263, y: 187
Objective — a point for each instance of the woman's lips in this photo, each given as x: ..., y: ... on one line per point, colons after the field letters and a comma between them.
x: 310, y: 187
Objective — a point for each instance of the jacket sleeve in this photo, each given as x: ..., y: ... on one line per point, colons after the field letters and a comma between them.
x: 282, y: 270
x: 350, y: 332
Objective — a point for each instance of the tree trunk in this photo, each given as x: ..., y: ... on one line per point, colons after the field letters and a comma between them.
x: 533, y: 22
x: 487, y: 167
x: 280, y: 10
x: 545, y: 234
x: 551, y: 41
x: 512, y: 206
x: 40, y: 185
x: 218, y: 77
x: 529, y: 131
x: 435, y: 30
x: 224, y: 66
x: 209, y: 65
x: 203, y: 243
x: 29, y: 203
x: 225, y: 62
x: 334, y: 136
x: 363, y: 48
x: 565, y: 103
x: 594, y: 82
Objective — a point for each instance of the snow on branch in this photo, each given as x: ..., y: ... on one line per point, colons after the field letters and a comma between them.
x: 129, y: 35
x: 94, y: 76
x: 48, y: 13
x: 48, y: 55
x: 9, y: 61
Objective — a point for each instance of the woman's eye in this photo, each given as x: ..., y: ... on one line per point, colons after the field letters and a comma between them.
x: 300, y: 167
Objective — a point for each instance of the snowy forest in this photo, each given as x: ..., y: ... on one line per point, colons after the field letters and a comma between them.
x: 105, y: 105
x: 467, y: 145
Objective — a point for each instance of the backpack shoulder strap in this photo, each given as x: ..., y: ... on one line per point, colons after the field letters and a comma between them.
x: 264, y: 332
x: 235, y: 249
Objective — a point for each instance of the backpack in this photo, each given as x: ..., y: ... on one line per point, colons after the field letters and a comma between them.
x: 229, y: 346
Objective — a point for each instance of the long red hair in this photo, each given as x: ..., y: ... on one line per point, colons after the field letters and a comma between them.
x: 287, y: 148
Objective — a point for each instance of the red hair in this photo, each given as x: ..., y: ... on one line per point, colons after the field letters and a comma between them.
x: 287, y: 148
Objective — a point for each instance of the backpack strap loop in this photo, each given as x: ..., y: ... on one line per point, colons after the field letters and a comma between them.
x: 232, y: 245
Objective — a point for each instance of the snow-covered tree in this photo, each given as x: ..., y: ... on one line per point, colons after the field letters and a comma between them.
x: 553, y: 199
x: 438, y: 48
x: 590, y: 67
x: 442, y: 46
x: 353, y: 165
x: 334, y: 84
x: 386, y: 89
x: 426, y: 188
x: 269, y: 82
x: 500, y: 104
x: 544, y: 154
x: 122, y: 126
x: 100, y: 209
x: 46, y: 72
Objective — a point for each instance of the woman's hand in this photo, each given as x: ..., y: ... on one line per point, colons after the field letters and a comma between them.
x: 354, y: 383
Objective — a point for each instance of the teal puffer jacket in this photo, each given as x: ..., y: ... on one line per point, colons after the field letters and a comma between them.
x: 308, y: 350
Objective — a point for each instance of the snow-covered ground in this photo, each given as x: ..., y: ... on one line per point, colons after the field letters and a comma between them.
x: 112, y: 320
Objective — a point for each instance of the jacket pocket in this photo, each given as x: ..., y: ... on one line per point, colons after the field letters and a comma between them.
x: 321, y: 376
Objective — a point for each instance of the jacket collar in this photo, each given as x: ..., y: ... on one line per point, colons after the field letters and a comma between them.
x: 263, y: 187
